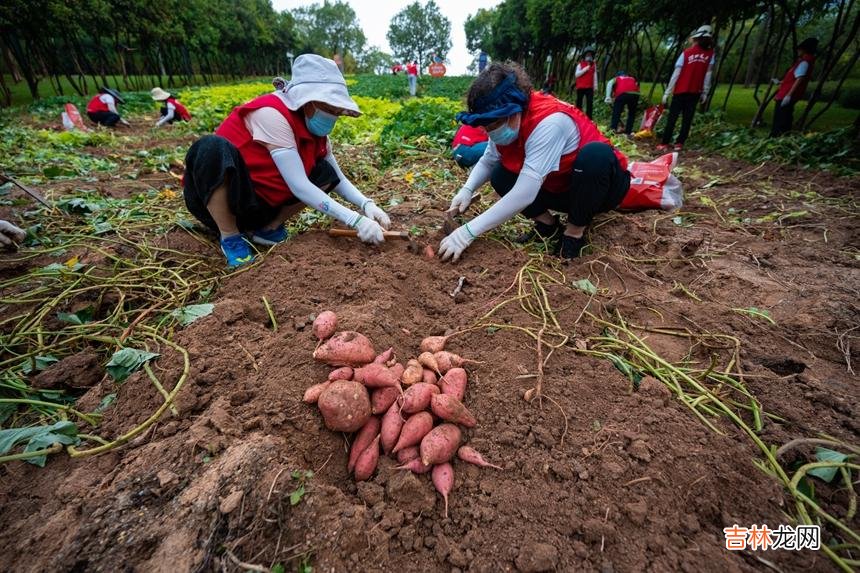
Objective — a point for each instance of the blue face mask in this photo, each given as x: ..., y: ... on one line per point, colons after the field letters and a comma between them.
x: 321, y: 123
x: 504, y: 134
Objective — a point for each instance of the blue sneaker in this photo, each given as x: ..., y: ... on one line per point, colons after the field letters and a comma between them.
x: 269, y: 237
x: 237, y: 250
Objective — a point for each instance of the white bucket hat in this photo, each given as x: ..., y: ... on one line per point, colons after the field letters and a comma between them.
x: 702, y: 32
x: 318, y: 79
x: 159, y: 94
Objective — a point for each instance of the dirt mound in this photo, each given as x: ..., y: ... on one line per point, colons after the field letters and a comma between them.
x: 598, y: 477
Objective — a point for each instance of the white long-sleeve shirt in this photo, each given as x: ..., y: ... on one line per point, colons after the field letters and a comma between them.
x: 171, y: 112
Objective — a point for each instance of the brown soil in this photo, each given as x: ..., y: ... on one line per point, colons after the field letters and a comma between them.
x: 600, y: 478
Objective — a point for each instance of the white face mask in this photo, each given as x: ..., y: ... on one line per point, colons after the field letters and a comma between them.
x: 589, y: 58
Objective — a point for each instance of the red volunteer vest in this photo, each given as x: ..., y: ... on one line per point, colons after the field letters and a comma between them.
x: 788, y: 80
x: 96, y: 105
x: 267, y: 180
x: 586, y: 80
x: 540, y: 106
x: 468, y: 135
x: 693, y: 71
x: 180, y: 109
x: 624, y: 84
x: 412, y: 69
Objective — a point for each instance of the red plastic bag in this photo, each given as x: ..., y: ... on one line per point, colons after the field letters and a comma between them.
x: 651, y: 117
x: 652, y: 185
x: 74, y: 118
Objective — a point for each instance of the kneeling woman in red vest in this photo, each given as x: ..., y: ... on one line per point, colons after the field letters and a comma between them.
x: 271, y: 157
x: 172, y: 110
x: 544, y: 155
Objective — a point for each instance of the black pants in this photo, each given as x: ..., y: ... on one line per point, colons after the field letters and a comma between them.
x: 783, y: 118
x: 629, y: 101
x: 681, y: 104
x: 211, y: 160
x: 598, y: 184
x: 176, y: 116
x: 107, y: 118
x: 588, y: 94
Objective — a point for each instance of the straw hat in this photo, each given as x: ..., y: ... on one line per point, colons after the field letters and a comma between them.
x: 318, y: 79
x: 159, y: 94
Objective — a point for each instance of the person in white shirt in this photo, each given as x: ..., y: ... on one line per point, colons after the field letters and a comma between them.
x: 102, y: 109
x: 544, y: 155
x: 271, y: 157
x: 586, y: 81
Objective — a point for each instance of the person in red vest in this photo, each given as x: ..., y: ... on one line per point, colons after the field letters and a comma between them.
x: 793, y: 87
x: 469, y: 145
x: 270, y: 158
x: 102, y: 110
x: 623, y: 90
x: 586, y: 81
x: 172, y: 110
x: 412, y: 77
x: 690, y: 84
x: 544, y: 155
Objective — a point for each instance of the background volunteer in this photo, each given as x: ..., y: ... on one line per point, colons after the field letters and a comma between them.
x: 793, y: 87
x: 102, y: 108
x: 586, y: 81
x: 412, y: 77
x: 622, y: 91
x: 172, y: 110
x: 690, y: 84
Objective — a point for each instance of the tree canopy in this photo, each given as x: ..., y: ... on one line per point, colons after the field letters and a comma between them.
x: 418, y: 32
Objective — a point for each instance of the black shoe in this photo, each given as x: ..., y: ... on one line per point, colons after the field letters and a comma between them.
x: 571, y: 247
x: 542, y: 231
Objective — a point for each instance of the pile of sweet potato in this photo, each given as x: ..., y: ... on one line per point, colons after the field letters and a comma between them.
x: 412, y: 412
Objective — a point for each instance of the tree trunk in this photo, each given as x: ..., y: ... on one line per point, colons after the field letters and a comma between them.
x: 845, y: 75
x: 740, y: 62
x: 754, y: 64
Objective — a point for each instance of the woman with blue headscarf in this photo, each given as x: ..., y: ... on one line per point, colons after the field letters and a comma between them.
x: 544, y: 156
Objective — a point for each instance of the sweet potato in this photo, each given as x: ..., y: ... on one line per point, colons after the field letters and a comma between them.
x: 428, y: 376
x: 433, y: 344
x: 366, y: 463
x: 414, y: 429
x: 413, y: 373
x: 397, y: 369
x: 345, y: 406
x: 376, y: 376
x: 471, y: 456
x: 415, y: 466
x: 429, y: 252
x: 312, y: 394
x: 381, y: 399
x: 453, y: 383
x: 385, y: 356
x: 443, y: 481
x: 362, y: 439
x: 342, y: 373
x: 417, y: 397
x: 392, y: 424
x: 448, y: 360
x: 347, y: 348
x: 325, y: 324
x: 408, y: 454
x: 440, y: 444
x: 451, y: 409
x: 428, y: 360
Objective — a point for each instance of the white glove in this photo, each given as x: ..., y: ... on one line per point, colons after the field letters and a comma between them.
x: 10, y: 234
x: 665, y: 98
x: 377, y: 214
x: 462, y: 199
x: 774, y: 81
x: 785, y: 101
x: 369, y: 231
x: 703, y: 98
x: 454, y: 244
x: 608, y: 100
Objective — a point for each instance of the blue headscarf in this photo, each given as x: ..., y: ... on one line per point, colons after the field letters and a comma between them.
x: 505, y: 100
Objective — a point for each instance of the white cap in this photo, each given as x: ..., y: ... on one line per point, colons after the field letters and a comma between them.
x: 318, y: 79
x: 159, y: 94
x: 702, y: 32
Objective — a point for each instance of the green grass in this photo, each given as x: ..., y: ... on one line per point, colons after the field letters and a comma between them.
x: 21, y: 93
x: 742, y: 107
